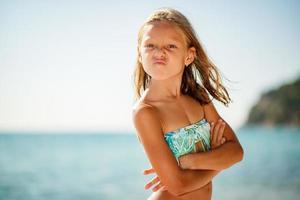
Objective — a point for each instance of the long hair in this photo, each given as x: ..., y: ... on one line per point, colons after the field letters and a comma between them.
x: 200, y: 77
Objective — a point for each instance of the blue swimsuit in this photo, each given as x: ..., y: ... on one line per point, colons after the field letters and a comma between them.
x: 183, y: 140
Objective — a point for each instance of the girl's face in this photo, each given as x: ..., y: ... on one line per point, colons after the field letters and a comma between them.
x: 163, y: 50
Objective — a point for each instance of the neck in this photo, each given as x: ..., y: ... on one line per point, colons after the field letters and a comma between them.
x: 168, y: 89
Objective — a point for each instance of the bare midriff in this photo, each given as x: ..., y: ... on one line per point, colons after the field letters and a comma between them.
x: 203, y: 193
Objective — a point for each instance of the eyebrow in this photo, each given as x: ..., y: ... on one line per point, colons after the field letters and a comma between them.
x: 168, y: 41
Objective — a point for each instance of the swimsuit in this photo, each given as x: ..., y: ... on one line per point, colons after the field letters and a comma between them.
x: 183, y: 140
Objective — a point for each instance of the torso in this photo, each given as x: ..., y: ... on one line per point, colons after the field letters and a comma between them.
x: 178, y: 113
x: 173, y: 115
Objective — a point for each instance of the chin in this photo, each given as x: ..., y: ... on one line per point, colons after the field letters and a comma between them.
x: 160, y: 78
x: 157, y: 75
x: 160, y: 74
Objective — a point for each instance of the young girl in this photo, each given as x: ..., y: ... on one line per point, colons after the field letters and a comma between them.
x: 186, y: 140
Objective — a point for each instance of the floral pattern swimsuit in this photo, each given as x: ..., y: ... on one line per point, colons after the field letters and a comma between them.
x: 185, y: 140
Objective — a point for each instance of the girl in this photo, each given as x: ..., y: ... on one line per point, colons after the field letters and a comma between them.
x: 184, y: 137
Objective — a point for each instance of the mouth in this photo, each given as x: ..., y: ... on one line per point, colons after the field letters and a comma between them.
x: 160, y: 62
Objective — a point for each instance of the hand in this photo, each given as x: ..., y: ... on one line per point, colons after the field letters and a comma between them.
x: 158, y: 186
x: 184, y: 161
x: 216, y: 134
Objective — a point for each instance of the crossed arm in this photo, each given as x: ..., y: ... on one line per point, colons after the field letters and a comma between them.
x: 219, y: 158
x: 193, y: 174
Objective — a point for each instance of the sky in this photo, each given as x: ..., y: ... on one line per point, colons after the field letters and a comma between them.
x: 67, y: 66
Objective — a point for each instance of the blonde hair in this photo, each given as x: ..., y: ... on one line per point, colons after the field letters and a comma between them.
x: 201, y: 68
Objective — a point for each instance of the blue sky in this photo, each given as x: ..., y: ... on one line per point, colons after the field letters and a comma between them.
x: 67, y: 65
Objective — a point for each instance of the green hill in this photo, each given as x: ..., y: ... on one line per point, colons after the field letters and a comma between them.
x: 278, y: 107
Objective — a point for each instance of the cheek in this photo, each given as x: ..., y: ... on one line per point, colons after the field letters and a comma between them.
x: 144, y: 60
x: 145, y: 57
x: 177, y: 59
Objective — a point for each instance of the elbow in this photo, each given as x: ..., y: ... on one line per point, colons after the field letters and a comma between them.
x: 239, y: 153
x: 237, y: 156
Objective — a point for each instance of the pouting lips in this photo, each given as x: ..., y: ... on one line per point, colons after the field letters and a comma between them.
x: 161, y: 62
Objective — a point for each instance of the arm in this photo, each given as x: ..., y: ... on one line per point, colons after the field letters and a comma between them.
x: 221, y: 157
x: 177, y: 180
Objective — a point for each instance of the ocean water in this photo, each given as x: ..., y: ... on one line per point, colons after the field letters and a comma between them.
x: 109, y: 166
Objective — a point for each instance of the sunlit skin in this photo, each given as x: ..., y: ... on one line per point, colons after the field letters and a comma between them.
x: 164, y: 53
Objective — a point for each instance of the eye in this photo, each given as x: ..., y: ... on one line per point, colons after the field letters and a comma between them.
x: 171, y: 46
x: 149, y: 46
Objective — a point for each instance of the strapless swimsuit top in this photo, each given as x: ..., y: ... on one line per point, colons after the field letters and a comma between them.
x: 183, y: 140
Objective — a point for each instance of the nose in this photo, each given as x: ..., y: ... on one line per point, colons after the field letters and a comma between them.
x: 159, y: 52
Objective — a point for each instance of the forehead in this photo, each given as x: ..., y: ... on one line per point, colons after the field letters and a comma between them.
x: 163, y: 30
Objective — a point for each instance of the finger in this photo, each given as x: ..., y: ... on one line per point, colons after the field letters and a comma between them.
x: 152, y: 182
x: 223, y: 140
x: 216, y: 132
x: 211, y: 131
x: 157, y: 187
x: 221, y: 132
x: 148, y: 171
x: 212, y: 127
x: 163, y: 188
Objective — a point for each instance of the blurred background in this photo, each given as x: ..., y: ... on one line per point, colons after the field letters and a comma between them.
x: 66, y: 95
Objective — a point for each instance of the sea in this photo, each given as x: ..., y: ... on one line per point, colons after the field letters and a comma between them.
x: 109, y: 166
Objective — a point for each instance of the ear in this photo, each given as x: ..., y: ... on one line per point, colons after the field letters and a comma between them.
x: 191, y: 54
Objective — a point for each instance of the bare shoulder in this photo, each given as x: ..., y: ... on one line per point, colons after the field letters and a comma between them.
x: 143, y: 111
x: 141, y: 105
x: 145, y: 117
x: 211, y: 112
x: 212, y: 115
